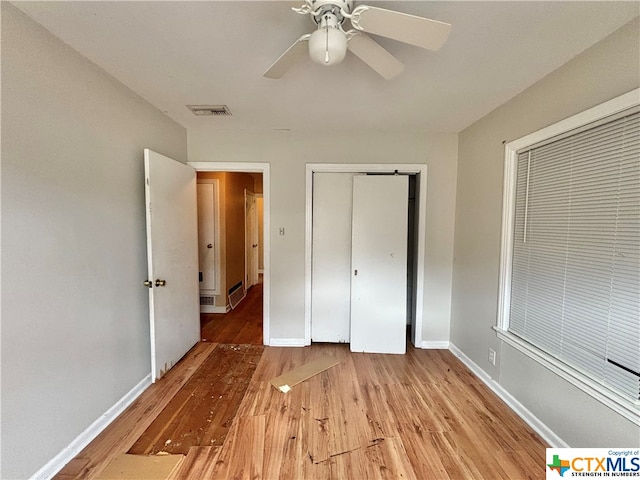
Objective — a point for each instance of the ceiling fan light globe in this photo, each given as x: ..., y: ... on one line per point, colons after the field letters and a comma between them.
x: 327, y: 46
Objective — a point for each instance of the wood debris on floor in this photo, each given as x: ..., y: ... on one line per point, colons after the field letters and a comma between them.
x: 201, y: 413
x: 286, y: 381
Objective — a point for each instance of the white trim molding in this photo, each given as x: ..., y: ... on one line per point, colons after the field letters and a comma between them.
x: 529, y: 418
x: 287, y: 342
x: 402, y: 168
x: 214, y: 309
x: 265, y: 169
x: 56, y: 464
x: 434, y: 345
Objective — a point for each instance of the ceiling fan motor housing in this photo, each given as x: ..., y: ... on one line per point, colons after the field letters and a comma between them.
x: 319, y: 8
x: 328, y: 44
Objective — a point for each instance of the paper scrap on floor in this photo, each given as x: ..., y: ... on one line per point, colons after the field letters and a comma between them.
x: 286, y: 381
x: 141, y: 467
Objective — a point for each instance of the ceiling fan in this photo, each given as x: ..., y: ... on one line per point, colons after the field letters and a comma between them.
x: 329, y: 43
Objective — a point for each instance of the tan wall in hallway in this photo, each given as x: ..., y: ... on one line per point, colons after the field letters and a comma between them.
x: 235, y: 236
x: 232, y: 187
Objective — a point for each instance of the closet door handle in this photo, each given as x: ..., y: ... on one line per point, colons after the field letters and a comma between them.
x: 160, y: 283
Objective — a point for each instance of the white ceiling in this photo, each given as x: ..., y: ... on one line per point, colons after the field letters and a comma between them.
x: 179, y: 53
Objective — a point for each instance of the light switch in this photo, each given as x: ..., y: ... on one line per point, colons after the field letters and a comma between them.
x: 281, y: 230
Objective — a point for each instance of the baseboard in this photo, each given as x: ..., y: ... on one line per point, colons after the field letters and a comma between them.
x: 435, y: 345
x: 214, y: 309
x: 286, y: 342
x: 529, y: 418
x: 70, y: 451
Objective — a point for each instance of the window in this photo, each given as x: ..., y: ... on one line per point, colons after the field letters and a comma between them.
x: 570, y: 286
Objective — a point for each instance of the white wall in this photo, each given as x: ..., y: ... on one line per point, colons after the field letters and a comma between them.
x: 288, y: 152
x: 606, y: 70
x: 75, y: 335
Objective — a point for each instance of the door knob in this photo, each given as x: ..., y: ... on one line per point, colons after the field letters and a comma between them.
x: 147, y: 283
x: 160, y: 283
x: 210, y: 246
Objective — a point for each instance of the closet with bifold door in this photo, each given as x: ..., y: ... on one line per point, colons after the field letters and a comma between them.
x: 360, y: 257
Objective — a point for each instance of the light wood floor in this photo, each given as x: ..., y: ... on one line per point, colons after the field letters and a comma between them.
x: 422, y: 415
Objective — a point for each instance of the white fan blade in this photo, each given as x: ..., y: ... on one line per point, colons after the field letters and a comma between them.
x: 418, y: 31
x: 289, y: 58
x: 372, y: 53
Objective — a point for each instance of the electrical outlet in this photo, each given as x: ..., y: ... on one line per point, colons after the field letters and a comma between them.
x: 492, y: 356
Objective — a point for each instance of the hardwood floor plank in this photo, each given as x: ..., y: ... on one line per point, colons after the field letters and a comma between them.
x: 76, y: 466
x: 283, y: 432
x: 243, y: 454
x: 347, y: 419
x: 383, y: 459
x: 198, y: 464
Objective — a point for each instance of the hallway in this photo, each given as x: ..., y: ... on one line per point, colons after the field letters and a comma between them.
x: 243, y: 325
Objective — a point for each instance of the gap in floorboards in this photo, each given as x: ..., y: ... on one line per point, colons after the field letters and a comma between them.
x: 201, y: 413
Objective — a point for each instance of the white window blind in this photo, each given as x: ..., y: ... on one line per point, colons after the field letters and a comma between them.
x: 575, y: 273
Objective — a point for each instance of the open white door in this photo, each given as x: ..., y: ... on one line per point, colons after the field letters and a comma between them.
x: 251, y: 240
x: 379, y: 264
x: 172, y: 251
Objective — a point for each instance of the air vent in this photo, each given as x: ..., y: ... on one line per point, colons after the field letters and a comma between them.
x: 207, y: 300
x: 209, y: 110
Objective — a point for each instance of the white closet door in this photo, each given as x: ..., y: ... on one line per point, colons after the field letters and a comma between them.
x: 379, y: 264
x: 331, y: 257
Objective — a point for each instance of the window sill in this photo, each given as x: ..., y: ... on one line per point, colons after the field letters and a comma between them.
x: 627, y: 408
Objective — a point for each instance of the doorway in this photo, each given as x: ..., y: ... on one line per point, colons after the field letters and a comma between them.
x: 234, y: 276
x: 230, y: 291
x: 415, y: 238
